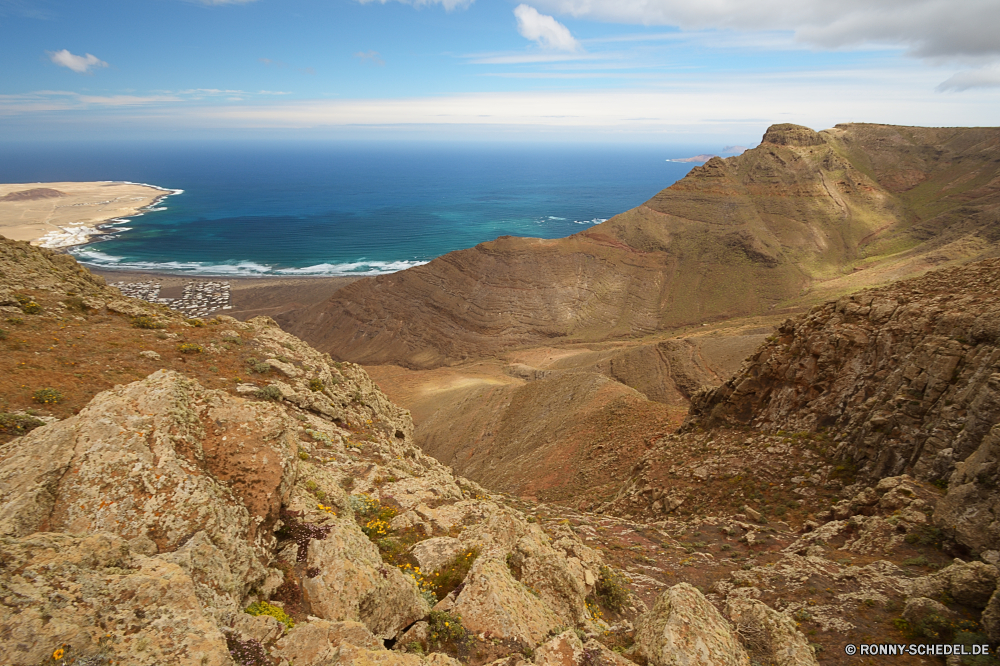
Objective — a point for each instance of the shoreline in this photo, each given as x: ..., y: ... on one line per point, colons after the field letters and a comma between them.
x: 63, y: 215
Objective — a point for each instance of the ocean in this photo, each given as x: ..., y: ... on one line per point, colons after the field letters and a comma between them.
x: 344, y: 209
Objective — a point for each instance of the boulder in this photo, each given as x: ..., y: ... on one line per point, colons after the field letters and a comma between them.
x: 494, y: 603
x: 771, y: 636
x: 161, y: 460
x: 349, y: 655
x: 969, y: 583
x: 315, y: 643
x: 354, y: 584
x: 71, y: 591
x: 684, y: 628
x: 432, y: 554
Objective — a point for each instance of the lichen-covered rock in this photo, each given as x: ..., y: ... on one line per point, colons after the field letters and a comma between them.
x: 495, y: 604
x: 684, y: 628
x: 770, y: 635
x: 353, y: 583
x: 922, y: 612
x: 349, y: 655
x: 432, y: 554
x: 315, y: 643
x: 969, y: 583
x: 93, y: 595
x: 189, y: 469
x: 971, y: 509
x: 991, y: 618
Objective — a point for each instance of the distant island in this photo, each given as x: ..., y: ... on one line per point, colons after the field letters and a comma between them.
x: 704, y: 157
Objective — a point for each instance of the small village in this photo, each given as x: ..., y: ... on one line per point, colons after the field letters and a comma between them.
x: 195, y: 299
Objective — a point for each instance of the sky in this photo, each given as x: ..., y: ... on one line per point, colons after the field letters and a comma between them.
x: 711, y: 71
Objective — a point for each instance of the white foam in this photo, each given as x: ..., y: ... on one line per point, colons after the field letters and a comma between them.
x: 242, y: 268
x: 596, y: 220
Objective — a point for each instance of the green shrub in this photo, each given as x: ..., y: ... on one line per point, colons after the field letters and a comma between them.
x: 269, y: 393
x: 145, y: 321
x: 75, y: 303
x: 17, y: 321
x: 444, y: 628
x: 316, y: 384
x: 47, y: 396
x: 31, y: 308
x: 190, y: 348
x: 18, y: 424
x: 611, y: 589
x: 925, y: 535
x: 197, y: 322
x: 264, y: 608
x: 453, y: 574
x: 3, y: 334
x: 259, y: 367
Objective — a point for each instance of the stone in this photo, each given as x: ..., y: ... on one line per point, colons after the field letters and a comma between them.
x: 349, y: 655
x: 494, y: 603
x: 770, y: 635
x: 433, y: 554
x: 354, y: 584
x: 684, y: 628
x: 923, y: 612
x: 287, y: 369
x: 971, y: 583
x: 315, y: 643
x: 150, y: 354
x: 73, y: 589
x: 262, y: 628
x: 140, y: 461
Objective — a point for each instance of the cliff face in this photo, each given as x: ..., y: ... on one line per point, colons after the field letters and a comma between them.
x: 735, y: 237
x: 905, y: 378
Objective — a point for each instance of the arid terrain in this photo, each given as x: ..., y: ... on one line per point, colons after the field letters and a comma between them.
x: 64, y: 214
x: 741, y: 481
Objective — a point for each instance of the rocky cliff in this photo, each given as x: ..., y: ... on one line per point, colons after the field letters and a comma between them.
x: 906, y: 379
x: 803, y: 211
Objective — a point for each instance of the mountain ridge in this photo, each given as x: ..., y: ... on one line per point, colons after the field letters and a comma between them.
x: 776, y: 227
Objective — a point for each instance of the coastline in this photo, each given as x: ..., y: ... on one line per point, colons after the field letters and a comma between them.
x: 60, y: 215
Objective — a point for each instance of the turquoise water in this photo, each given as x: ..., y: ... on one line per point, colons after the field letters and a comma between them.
x: 345, y: 209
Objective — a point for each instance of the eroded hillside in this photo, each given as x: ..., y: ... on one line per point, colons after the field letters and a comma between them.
x: 249, y: 499
x: 803, y: 215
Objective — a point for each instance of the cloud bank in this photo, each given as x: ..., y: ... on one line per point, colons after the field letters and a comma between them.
x: 947, y: 29
x: 544, y: 30
x: 81, y: 64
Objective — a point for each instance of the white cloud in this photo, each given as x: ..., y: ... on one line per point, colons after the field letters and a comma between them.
x: 985, y: 77
x: 369, y: 57
x: 543, y: 29
x: 928, y: 28
x: 447, y: 4
x: 81, y: 64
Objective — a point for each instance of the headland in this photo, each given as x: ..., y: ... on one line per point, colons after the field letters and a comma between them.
x: 57, y: 215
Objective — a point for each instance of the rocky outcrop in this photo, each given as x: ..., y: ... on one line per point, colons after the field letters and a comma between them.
x: 152, y: 463
x: 771, y: 636
x: 908, y: 376
x: 735, y: 237
x: 92, y: 597
x: 684, y: 628
x: 302, y: 506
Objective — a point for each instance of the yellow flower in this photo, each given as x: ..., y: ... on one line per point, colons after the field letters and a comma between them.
x: 58, y: 654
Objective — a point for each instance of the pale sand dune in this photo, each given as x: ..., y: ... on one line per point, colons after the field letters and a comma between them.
x: 66, y: 214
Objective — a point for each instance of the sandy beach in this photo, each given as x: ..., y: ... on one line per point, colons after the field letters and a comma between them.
x: 66, y: 214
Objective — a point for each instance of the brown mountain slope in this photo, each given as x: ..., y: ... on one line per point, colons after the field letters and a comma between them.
x: 735, y: 237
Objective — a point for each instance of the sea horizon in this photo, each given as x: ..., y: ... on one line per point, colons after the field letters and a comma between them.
x: 344, y: 209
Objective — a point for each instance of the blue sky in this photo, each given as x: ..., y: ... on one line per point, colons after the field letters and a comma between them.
x: 560, y: 70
